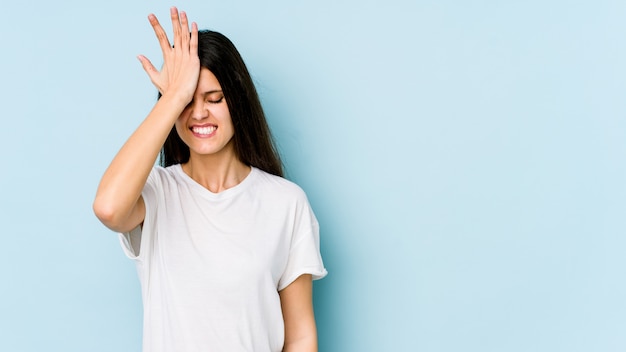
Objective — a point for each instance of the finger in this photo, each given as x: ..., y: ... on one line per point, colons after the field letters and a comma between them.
x: 184, y: 25
x: 147, y: 66
x: 193, y: 42
x: 152, y: 72
x: 176, y: 27
x: 164, y: 42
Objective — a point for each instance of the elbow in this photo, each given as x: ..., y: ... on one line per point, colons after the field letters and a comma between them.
x: 108, y: 215
x: 104, y: 212
x: 116, y: 215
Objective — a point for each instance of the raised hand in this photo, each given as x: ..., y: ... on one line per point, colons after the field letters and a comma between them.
x: 181, y: 66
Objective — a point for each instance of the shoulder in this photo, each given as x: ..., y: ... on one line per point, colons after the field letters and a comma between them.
x: 284, y: 197
x: 165, y: 173
x: 164, y: 177
x: 169, y: 171
x: 279, y: 186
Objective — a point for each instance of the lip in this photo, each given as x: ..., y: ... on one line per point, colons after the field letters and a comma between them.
x: 203, y: 135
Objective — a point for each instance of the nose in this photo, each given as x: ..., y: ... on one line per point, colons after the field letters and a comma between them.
x: 199, y: 109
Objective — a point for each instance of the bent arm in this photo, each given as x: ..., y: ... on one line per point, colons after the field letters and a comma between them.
x: 297, y: 305
x: 118, y: 203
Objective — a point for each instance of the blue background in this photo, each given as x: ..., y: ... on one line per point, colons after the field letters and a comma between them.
x: 465, y: 160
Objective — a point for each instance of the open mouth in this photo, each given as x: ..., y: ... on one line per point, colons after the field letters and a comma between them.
x: 205, y: 130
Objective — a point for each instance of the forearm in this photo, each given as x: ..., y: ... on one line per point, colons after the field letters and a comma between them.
x: 123, y: 181
x: 117, y: 202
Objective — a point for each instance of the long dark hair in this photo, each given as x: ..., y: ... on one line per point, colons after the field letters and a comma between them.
x: 252, y: 140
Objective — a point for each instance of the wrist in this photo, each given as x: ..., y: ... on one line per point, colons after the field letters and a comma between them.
x: 175, y: 98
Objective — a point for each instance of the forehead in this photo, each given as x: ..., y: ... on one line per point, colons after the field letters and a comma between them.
x: 207, y: 81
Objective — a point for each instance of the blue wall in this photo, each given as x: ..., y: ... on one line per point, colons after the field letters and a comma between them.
x: 465, y: 160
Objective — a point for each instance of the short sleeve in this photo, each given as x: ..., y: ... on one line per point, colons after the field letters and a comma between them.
x: 304, y: 253
x: 134, y: 241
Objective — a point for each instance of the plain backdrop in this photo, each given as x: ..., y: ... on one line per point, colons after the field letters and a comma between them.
x: 465, y: 160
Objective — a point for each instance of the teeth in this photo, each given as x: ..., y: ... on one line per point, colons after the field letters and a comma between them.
x: 204, y: 130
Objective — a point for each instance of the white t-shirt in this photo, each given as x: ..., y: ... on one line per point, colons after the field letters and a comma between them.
x: 211, y: 264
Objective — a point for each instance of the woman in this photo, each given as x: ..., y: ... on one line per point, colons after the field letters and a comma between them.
x: 226, y: 249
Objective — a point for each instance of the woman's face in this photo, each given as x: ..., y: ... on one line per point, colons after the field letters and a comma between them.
x: 205, y: 125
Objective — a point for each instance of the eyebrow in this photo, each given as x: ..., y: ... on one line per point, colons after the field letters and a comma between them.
x: 212, y: 92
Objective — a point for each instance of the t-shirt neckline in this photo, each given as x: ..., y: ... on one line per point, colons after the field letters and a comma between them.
x: 227, y: 193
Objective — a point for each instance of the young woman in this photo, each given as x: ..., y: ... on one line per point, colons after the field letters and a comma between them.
x: 226, y: 249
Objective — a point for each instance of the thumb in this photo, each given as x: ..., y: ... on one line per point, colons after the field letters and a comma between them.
x: 147, y: 66
x: 152, y: 72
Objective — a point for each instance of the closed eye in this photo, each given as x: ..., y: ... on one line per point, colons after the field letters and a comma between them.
x: 210, y: 101
x: 215, y: 101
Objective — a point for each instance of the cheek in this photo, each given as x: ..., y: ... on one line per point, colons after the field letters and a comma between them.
x: 224, y: 117
x: 179, y: 126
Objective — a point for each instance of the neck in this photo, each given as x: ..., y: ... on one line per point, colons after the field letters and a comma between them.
x: 216, y: 172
